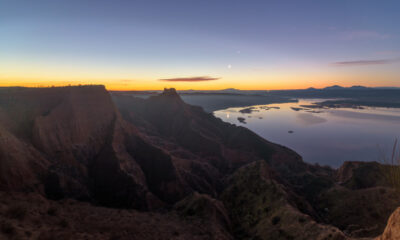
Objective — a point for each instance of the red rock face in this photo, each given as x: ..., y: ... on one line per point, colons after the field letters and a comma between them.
x: 20, y: 164
x: 79, y: 124
x: 392, y: 230
x: 77, y: 140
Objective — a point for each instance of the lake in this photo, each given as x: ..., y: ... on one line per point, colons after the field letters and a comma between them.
x: 323, y: 136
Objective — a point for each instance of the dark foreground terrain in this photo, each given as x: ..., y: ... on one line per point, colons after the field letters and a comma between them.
x: 78, y: 164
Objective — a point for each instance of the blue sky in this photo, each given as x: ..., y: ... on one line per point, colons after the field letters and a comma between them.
x: 244, y: 44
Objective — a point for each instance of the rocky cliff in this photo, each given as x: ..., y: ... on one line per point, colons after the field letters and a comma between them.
x: 69, y: 142
x: 163, y: 155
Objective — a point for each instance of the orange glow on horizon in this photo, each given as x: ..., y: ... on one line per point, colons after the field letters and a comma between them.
x: 278, y: 80
x: 158, y: 85
x: 296, y: 76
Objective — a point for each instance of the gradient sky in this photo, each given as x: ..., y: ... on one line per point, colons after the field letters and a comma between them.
x: 200, y: 44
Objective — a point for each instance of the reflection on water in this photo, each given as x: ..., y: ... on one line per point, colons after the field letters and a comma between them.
x: 327, y: 136
x: 309, y: 119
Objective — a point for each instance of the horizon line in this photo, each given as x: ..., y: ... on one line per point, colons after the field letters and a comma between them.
x: 228, y: 88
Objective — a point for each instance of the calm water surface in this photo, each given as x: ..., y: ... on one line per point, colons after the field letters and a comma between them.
x: 329, y: 137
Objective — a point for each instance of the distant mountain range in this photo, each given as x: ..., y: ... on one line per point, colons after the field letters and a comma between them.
x: 263, y: 92
x: 357, y: 87
x: 231, y: 91
x: 337, y: 87
x: 234, y: 91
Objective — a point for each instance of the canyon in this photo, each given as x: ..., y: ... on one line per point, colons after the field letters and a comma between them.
x: 79, y: 163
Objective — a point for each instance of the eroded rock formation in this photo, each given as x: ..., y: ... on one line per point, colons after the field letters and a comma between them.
x: 173, y: 161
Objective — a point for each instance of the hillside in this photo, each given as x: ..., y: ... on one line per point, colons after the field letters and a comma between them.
x: 172, y: 165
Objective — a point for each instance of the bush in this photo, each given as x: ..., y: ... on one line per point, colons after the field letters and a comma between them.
x: 392, y: 173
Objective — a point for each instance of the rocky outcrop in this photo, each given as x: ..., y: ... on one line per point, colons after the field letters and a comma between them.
x: 262, y: 208
x: 21, y: 165
x: 189, y: 132
x: 31, y: 216
x: 357, y: 175
x: 392, y: 230
x: 359, y: 213
x: 210, y: 210
x: 75, y: 144
x: 364, y: 188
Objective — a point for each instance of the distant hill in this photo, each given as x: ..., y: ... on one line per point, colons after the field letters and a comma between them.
x: 232, y: 91
x: 337, y: 87
x: 358, y: 88
x: 388, y: 88
x: 334, y: 87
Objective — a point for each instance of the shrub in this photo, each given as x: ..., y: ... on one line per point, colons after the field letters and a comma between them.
x: 392, y: 169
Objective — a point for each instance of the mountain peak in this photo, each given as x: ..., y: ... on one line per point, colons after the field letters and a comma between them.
x: 358, y: 87
x: 334, y: 87
x: 170, y: 92
x: 169, y: 95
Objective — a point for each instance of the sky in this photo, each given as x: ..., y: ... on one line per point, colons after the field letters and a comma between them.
x: 208, y: 44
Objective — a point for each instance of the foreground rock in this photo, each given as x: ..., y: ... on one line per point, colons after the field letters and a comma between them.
x: 392, y: 230
x: 263, y: 208
x: 31, y: 216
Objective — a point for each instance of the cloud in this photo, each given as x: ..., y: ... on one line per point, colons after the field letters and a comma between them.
x: 366, y: 62
x: 363, y: 34
x: 190, y: 79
